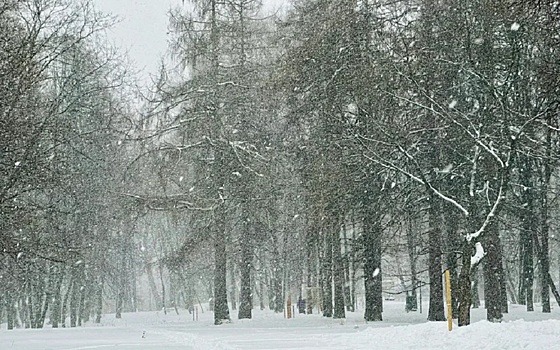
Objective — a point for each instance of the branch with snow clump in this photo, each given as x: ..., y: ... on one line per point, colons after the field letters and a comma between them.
x: 478, y: 255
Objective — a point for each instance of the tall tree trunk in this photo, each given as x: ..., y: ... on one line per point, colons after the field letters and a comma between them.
x: 452, y: 246
x: 119, y: 302
x: 99, y: 301
x: 57, y: 297
x: 276, y: 278
x: 353, y: 268
x: 327, y: 267
x: 82, y: 311
x: 338, y: 271
x: 163, y: 289
x: 232, y: 285
x: 245, y: 295
x: 66, y: 299
x: 262, y: 288
x: 544, y: 258
x: 345, y: 256
x: 372, y: 267
x: 152, y: 284
x: 28, y: 300
x: 526, y: 279
x: 411, y: 245
x: 74, y: 299
x: 436, y: 310
x: 493, y: 274
x: 310, y: 246
x: 221, y: 309
x: 45, y: 302
x: 465, y: 292
x: 474, y: 289
x: 10, y: 310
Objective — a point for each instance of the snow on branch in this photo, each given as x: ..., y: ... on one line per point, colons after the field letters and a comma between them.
x: 475, y: 137
x: 489, y: 217
x: 478, y: 255
x: 235, y: 145
x: 166, y: 202
x: 420, y: 181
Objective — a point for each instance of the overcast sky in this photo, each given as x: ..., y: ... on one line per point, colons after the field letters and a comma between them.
x: 143, y: 27
x: 141, y: 30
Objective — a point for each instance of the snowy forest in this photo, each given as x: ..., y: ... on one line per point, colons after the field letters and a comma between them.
x: 329, y: 156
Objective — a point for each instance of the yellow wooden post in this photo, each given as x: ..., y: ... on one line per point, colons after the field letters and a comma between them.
x: 448, y: 300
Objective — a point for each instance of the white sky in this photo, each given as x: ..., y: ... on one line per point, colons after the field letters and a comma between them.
x: 141, y: 30
x: 143, y: 27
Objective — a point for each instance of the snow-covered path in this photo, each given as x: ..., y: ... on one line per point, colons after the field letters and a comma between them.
x: 267, y: 331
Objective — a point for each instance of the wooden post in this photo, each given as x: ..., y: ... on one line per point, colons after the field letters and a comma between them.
x: 448, y: 300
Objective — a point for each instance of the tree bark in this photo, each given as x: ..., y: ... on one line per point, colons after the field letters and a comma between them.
x: 232, y: 285
x: 465, y: 292
x: 452, y: 246
x: 245, y: 295
x: 99, y: 301
x: 221, y: 309
x: 338, y: 273
x: 327, y: 267
x: 474, y: 289
x: 526, y: 255
x: 436, y: 310
x: 10, y: 310
x: 311, y: 247
x: 74, y: 299
x: 372, y: 268
x: 544, y: 258
x: 493, y: 274
x: 412, y: 255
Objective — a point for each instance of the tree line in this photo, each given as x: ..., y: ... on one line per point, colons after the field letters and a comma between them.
x: 308, y: 154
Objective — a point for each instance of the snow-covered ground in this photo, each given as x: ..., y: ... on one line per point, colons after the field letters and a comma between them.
x: 400, y: 330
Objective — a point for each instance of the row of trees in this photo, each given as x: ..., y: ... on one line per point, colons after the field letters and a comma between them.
x: 383, y: 113
x: 61, y: 107
x: 303, y: 152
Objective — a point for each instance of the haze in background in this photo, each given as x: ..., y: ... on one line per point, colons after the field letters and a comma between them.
x: 142, y: 30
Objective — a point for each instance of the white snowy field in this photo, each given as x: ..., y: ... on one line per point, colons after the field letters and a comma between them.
x: 400, y: 330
